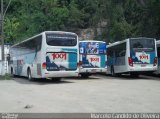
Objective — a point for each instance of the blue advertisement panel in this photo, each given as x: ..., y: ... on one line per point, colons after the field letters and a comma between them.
x: 92, y: 48
x: 93, y: 54
x: 61, y: 61
x: 143, y: 57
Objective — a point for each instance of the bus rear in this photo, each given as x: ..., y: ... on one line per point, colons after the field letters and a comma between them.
x: 143, y: 55
x: 61, y: 55
x: 158, y: 55
x: 92, y: 57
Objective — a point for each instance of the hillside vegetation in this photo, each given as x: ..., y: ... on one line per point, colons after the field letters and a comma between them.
x: 122, y: 18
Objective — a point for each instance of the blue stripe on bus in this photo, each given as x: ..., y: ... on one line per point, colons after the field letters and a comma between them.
x: 103, y: 63
x: 152, y: 56
x: 72, y: 57
x: 72, y: 61
x: 69, y: 50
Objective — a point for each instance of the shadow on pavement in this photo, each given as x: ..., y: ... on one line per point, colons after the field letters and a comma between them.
x: 23, y: 80
x: 140, y: 77
x: 89, y: 78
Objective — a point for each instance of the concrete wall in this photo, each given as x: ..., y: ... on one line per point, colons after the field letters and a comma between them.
x: 6, y: 51
x: 4, y: 65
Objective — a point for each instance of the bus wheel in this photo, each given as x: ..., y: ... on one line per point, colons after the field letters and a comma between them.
x: 29, y: 74
x: 112, y: 71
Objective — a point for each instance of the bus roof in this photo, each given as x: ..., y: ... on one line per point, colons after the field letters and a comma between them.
x: 158, y: 41
x: 119, y: 42
x: 43, y: 33
x: 141, y: 38
x: 60, y: 32
x: 85, y: 41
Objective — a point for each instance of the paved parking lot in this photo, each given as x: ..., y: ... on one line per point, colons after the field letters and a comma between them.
x: 97, y: 94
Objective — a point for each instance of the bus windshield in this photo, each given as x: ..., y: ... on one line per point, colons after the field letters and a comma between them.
x: 142, y: 44
x: 53, y: 39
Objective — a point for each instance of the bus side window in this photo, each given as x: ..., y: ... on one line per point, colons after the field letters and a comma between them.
x: 109, y: 53
x: 38, y: 43
x: 121, y: 50
x: 122, y: 53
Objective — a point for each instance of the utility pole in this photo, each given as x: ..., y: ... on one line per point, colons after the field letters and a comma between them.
x: 2, y: 31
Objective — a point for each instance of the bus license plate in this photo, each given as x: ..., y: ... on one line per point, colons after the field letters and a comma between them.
x: 143, y: 65
x: 93, y: 70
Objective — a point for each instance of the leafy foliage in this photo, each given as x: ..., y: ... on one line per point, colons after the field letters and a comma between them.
x: 125, y: 18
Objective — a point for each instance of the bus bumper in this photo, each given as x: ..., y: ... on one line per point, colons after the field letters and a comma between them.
x: 142, y: 69
x: 61, y: 74
x: 92, y: 70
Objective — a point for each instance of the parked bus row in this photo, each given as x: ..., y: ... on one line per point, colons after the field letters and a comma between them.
x: 57, y: 54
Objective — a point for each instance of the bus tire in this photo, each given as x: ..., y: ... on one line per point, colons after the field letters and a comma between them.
x: 29, y: 75
x: 112, y: 72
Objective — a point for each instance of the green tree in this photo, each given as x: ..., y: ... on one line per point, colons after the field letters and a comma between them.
x: 11, y: 26
x: 124, y: 18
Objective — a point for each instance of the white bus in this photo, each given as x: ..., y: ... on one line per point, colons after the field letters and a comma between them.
x: 51, y: 54
x: 158, y: 55
x: 92, y: 57
x: 133, y: 56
